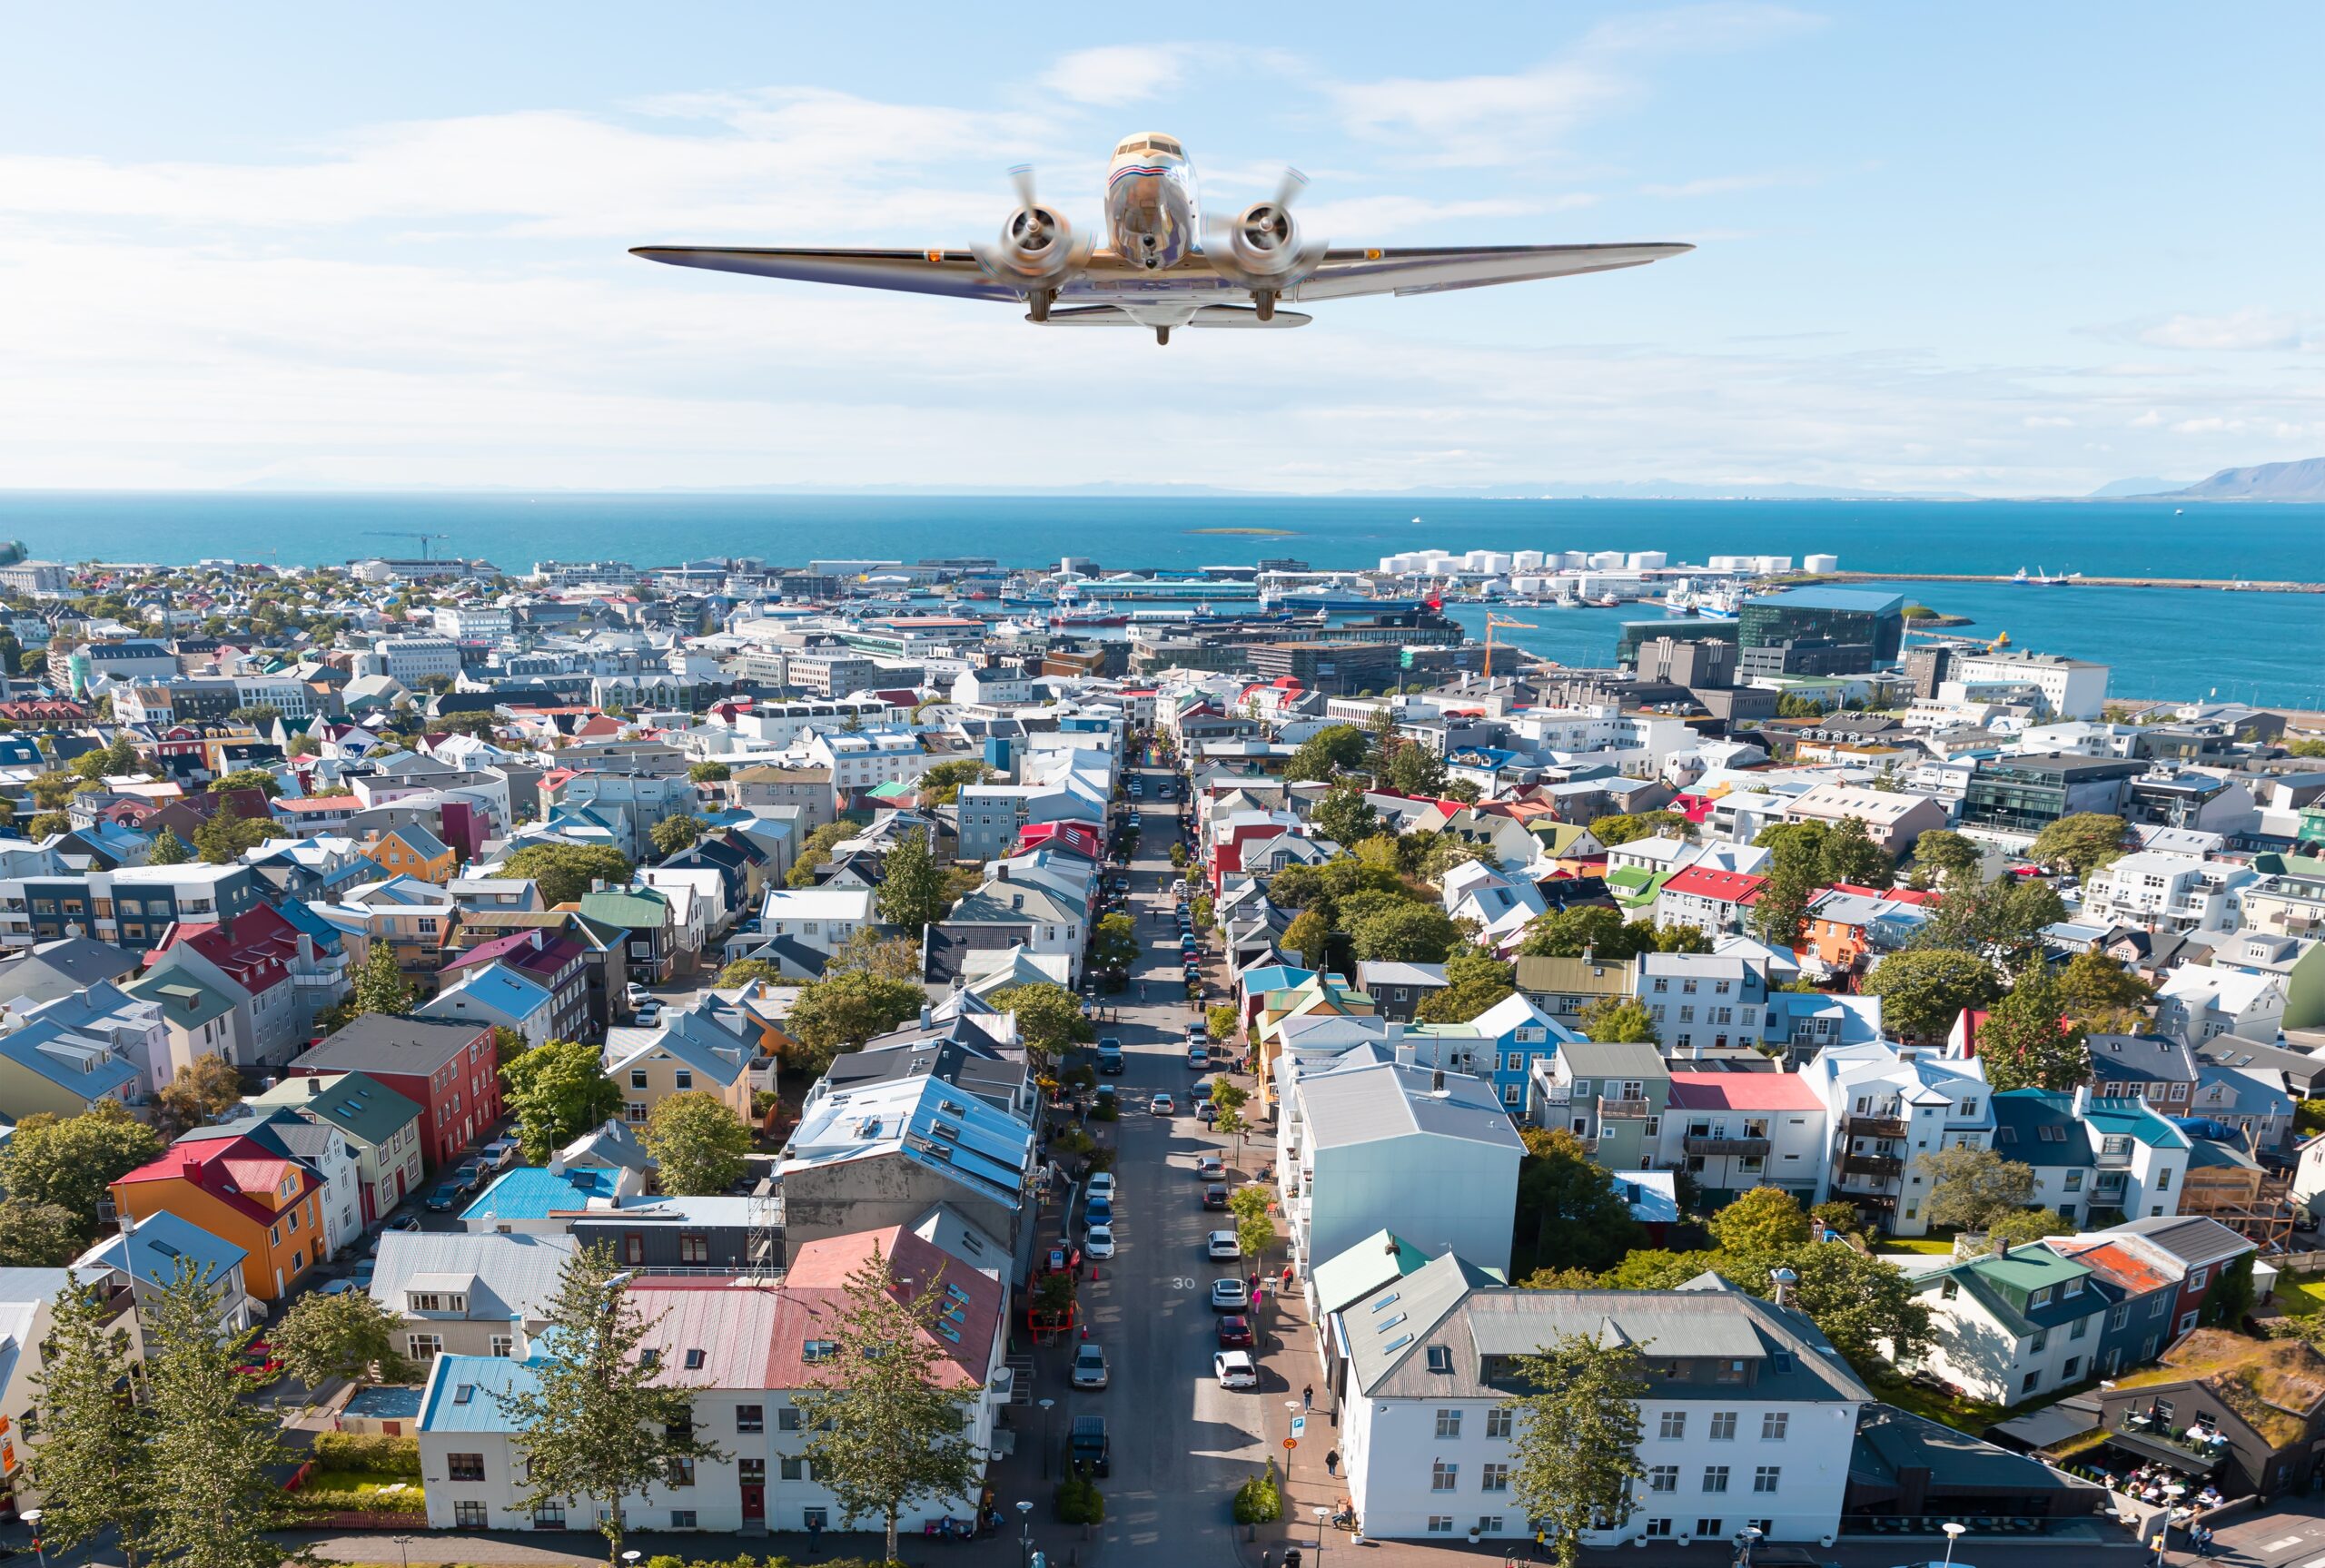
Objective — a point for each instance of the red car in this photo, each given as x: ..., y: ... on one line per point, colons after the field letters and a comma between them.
x: 1235, y: 1333
x: 260, y: 1361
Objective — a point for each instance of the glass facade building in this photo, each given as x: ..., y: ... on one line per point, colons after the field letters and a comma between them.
x: 1808, y: 615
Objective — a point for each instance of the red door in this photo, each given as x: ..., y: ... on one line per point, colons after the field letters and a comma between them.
x: 754, y: 1503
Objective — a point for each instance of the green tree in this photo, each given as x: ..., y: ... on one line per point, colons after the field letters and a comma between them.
x: 2025, y: 1225
x: 1860, y: 1303
x: 1049, y: 1017
x: 558, y: 1092
x: 710, y: 772
x: 1344, y: 815
x: 1227, y: 1102
x: 673, y: 833
x: 1114, y: 943
x: 247, y: 778
x: 206, y: 1087
x: 1972, y: 1188
x: 1612, y: 1019
x: 698, y: 1143
x: 1762, y: 1222
x: 1946, y: 857
x: 881, y: 957
x: 1923, y: 990
x: 840, y: 1012
x: 1575, y: 1463
x: 113, y: 760
x: 2102, y: 994
x: 911, y: 885
x: 1309, y: 935
x: 70, y: 1162
x: 1415, y: 770
x: 817, y: 850
x: 1448, y: 853
x: 1331, y: 750
x: 1406, y: 934
x: 1849, y: 854
x: 1839, y: 1215
x: 887, y: 1412
x: 225, y: 833
x: 2082, y: 842
x: 90, y: 1464
x: 348, y: 1335
x: 2003, y: 920
x: 1627, y: 827
x: 1592, y: 928
x: 599, y: 1423
x: 1568, y: 1209
x: 2230, y: 1297
x: 380, y: 985
x: 168, y: 850
x: 1474, y: 981
x: 1224, y: 1022
x: 941, y: 784
x: 38, y: 1235
x: 563, y: 872
x: 2028, y: 1042
x: 48, y: 824
x: 214, y: 1458
x: 742, y: 971
x: 1646, y: 936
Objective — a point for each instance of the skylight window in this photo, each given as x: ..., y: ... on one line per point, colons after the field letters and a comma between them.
x: 464, y: 1393
x: 695, y: 1359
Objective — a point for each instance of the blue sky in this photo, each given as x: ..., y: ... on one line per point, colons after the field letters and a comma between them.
x: 1989, y: 248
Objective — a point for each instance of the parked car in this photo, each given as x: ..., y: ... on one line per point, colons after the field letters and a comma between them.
x: 1098, y: 1211
x: 1102, y: 1185
x: 469, y: 1173
x: 499, y: 1154
x: 446, y: 1196
x: 260, y: 1363
x: 1215, y: 1196
x: 1234, y: 1331
x: 1087, y: 1447
x: 1208, y: 1112
x: 1099, y: 1241
x: 1233, y: 1369
x: 648, y: 1013
x: 1222, y: 1244
x: 340, y: 1287
x: 1164, y: 1105
x: 1229, y: 1296
x: 1089, y: 1367
x: 1211, y: 1167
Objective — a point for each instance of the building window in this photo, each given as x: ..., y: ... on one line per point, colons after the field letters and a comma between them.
x: 1500, y: 1422
x: 1709, y: 1529
x: 1493, y: 1478
x: 1715, y: 1477
x: 1773, y: 1425
x: 422, y: 1347
x: 470, y: 1516
x: 464, y: 1466
x: 750, y: 1418
x: 2028, y: 1385
x: 1441, y: 1524
x: 1449, y: 1424
x: 1663, y: 1478
x: 681, y: 1518
x: 787, y: 1419
x: 1674, y: 1424
x: 794, y: 1467
x: 682, y: 1079
x: 1658, y: 1529
x: 1444, y: 1477
x: 549, y: 1517
x: 503, y: 1345
x: 693, y: 1247
x: 1766, y: 1477
x: 2066, y: 1373
x: 681, y: 1473
x: 638, y: 1078
x: 1723, y: 1426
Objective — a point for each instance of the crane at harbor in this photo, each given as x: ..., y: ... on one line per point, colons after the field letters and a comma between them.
x: 1495, y: 623
x: 425, y: 539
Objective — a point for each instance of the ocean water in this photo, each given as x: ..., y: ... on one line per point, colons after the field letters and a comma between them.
x: 2267, y: 647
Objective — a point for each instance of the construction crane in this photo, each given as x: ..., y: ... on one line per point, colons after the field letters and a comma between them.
x: 424, y: 539
x: 1495, y: 623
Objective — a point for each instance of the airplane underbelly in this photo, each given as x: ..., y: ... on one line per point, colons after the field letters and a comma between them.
x: 1149, y: 218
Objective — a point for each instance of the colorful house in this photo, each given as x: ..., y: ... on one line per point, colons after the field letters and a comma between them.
x: 266, y: 1203
x: 412, y: 851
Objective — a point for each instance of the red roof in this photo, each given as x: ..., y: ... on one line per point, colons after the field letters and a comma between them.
x: 1742, y: 1091
x: 1730, y: 886
x: 1895, y: 894
x: 297, y: 804
x: 815, y: 1295
x: 2114, y: 1264
x: 230, y: 1169
x: 256, y: 948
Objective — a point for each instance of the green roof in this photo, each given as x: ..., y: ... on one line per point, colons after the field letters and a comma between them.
x: 185, y: 1001
x: 2028, y: 1269
x: 358, y: 1104
x: 633, y: 910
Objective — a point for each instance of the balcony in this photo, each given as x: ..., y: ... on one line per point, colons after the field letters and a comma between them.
x: 1871, y: 1167
x: 1744, y: 1145
x: 2114, y: 1158
x: 1625, y: 1110
x: 1874, y: 1126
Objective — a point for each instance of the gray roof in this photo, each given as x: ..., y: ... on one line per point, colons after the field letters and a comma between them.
x: 1368, y: 1102
x: 2235, y: 1050
x: 506, y: 1277
x: 1612, y: 1058
x: 2141, y: 1059
x: 1890, y: 1441
x: 1381, y: 972
x: 2197, y: 1240
x: 65, y: 967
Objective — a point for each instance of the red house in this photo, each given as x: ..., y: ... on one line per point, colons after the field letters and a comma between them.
x: 449, y: 1070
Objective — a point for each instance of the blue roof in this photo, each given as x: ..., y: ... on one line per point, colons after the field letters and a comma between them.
x: 297, y: 912
x: 82, y: 1065
x: 161, y: 1241
x: 384, y: 1402
x: 502, y: 989
x: 534, y: 1192
x: 1864, y: 601
x: 464, y: 1392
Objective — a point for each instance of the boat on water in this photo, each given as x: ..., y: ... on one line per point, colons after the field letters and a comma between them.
x: 1721, y: 604
x: 2042, y: 579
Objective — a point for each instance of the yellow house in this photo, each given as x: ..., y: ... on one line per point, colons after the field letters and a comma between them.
x: 697, y: 1051
x: 411, y: 852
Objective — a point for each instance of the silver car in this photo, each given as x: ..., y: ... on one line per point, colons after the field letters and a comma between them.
x: 1090, y: 1366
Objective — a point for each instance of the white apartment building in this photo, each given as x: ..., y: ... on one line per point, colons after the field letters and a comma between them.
x: 410, y: 660
x: 1734, y: 1131
x: 295, y: 699
x: 822, y: 918
x: 473, y: 623
x: 2153, y: 891
x: 1749, y: 1423
x: 1886, y: 1105
x: 2075, y: 689
x: 867, y: 759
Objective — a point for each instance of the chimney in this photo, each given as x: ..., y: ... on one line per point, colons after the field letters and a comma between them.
x: 314, y: 1086
x: 1437, y: 1081
x: 927, y: 1015
x: 2081, y: 1101
x: 1001, y: 871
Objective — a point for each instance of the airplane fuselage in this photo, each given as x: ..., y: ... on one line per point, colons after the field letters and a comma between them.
x: 1152, y: 221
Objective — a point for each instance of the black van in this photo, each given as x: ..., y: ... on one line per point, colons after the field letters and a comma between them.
x: 1088, y: 1447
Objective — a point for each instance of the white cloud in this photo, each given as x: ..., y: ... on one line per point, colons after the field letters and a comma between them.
x: 2246, y: 329
x: 1118, y: 72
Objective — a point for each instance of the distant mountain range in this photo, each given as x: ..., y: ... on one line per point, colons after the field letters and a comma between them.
x: 2300, y: 481
x: 2122, y: 490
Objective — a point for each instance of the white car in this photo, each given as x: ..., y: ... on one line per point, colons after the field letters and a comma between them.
x: 1222, y: 1244
x: 1102, y: 1185
x: 1164, y: 1105
x: 1098, y: 1241
x: 500, y: 1153
x: 1233, y: 1368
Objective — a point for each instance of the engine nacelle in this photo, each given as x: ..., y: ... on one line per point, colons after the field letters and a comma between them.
x: 1265, y: 241
x: 1035, y: 250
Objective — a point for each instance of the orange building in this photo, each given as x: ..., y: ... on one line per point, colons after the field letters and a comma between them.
x: 240, y: 1191
x: 410, y: 851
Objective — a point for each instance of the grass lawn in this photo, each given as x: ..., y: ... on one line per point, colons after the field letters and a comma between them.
x: 1932, y: 1245
x: 363, y: 1481
x: 2301, y: 1294
x: 1961, y: 1414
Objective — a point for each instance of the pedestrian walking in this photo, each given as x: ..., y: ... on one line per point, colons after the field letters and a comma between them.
x: 1332, y: 1463
x: 1308, y: 1398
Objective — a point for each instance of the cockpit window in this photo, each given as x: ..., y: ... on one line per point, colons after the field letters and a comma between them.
x: 1165, y: 144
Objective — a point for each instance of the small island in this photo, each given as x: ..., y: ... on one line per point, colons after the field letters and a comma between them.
x: 1259, y: 533
x: 1922, y: 617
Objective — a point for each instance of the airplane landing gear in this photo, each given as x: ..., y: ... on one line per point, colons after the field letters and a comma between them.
x: 1161, y: 335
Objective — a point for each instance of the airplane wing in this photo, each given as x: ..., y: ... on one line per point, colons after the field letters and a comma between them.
x: 1346, y: 274
x: 955, y: 274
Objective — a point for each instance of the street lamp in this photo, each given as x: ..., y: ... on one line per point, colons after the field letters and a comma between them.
x: 1046, y: 1405
x: 1954, y: 1532
x: 1025, y: 1537
x: 1748, y: 1538
x: 1323, y: 1513
x: 403, y: 1549
x: 631, y: 1556
x: 31, y: 1517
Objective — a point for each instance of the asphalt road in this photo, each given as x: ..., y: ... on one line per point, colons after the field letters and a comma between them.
x: 1182, y: 1444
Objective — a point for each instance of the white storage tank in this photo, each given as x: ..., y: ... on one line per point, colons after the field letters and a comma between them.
x: 1649, y: 560
x: 1820, y: 564
x: 1605, y: 560
x: 1526, y: 560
